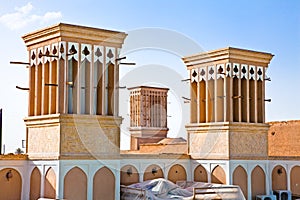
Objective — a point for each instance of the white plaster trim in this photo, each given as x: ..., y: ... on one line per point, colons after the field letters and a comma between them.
x: 260, y: 77
x: 252, y: 76
x: 107, y: 59
x: 63, y: 54
x: 211, y: 76
x: 89, y: 56
x: 246, y: 74
x: 194, y: 79
x: 237, y: 74
x: 75, y: 56
x: 202, y: 77
x: 223, y: 72
x: 228, y: 73
x: 98, y: 58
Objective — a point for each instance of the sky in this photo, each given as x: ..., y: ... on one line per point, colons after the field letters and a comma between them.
x: 270, y: 26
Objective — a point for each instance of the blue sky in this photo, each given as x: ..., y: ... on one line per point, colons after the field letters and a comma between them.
x: 271, y: 26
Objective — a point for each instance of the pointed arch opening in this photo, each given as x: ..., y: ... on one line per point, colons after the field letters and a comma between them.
x: 240, y: 178
x: 279, y: 178
x: 11, y: 183
x: 258, y: 182
x: 177, y: 173
x: 129, y: 175
x: 35, y: 184
x: 152, y: 172
x: 295, y: 180
x: 104, y: 184
x: 75, y: 184
x: 200, y: 174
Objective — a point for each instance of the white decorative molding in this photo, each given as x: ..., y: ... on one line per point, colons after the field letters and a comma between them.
x: 244, y: 71
x: 47, y: 58
x: 76, y: 46
x: 211, y: 72
x: 252, y: 72
x: 86, y: 52
x: 220, y: 71
x: 228, y: 70
x: 62, y: 50
x: 202, y: 74
x: 33, y: 57
x: 98, y: 53
x: 40, y: 59
x: 194, y: 75
x: 118, y: 52
x: 260, y: 73
x: 54, y: 48
x: 236, y: 70
x: 110, y: 56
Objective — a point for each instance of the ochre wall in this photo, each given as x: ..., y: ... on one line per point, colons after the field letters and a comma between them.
x: 228, y: 140
x: 75, y: 185
x: 248, y: 145
x: 104, y: 185
x: 10, y: 188
x: 73, y: 137
x: 209, y: 145
x: 43, y: 142
x: 87, y: 136
x: 35, y: 184
x: 283, y: 138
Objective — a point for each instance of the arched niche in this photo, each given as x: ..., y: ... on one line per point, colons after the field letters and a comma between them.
x: 152, y: 172
x: 10, y: 184
x: 200, y: 174
x: 75, y: 184
x: 279, y: 178
x: 240, y: 178
x: 35, y: 184
x: 258, y: 182
x: 129, y: 175
x: 104, y: 184
x: 177, y: 173
x: 295, y: 180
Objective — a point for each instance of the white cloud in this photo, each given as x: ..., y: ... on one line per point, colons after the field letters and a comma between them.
x: 23, y: 17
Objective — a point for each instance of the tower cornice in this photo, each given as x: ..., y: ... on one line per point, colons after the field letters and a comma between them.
x: 228, y: 54
x: 74, y: 33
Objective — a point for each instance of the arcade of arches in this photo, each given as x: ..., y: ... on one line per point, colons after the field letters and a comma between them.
x: 104, y: 180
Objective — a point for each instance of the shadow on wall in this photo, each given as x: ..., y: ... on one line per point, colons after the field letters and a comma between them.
x: 218, y: 175
x: 49, y: 184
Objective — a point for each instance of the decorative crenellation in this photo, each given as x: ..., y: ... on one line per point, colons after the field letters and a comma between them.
x: 220, y: 71
x: 234, y: 70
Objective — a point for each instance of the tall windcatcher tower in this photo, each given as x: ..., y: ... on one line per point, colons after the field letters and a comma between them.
x: 227, y: 119
x: 73, y: 92
x: 148, y: 115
